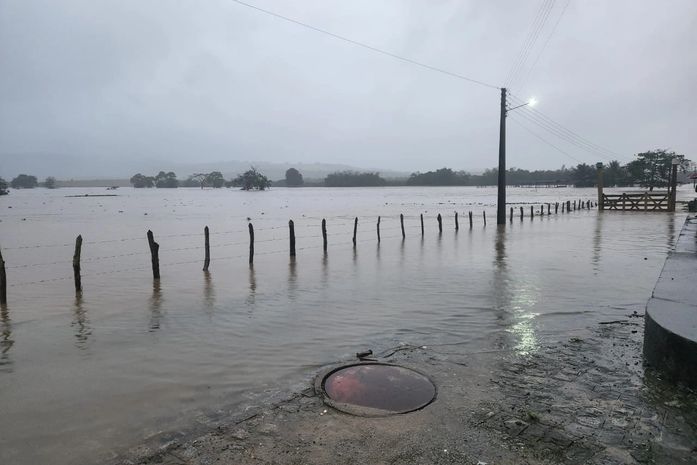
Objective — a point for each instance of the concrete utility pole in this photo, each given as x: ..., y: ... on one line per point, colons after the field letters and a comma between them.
x: 501, y: 205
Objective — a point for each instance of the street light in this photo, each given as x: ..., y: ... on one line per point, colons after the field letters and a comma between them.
x: 501, y: 206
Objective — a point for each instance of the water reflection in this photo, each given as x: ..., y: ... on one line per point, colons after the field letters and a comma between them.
x: 597, y: 242
x: 251, y: 298
x: 155, y: 306
x: 83, y: 329
x: 514, y: 297
x: 293, y: 278
x: 208, y: 292
x: 6, y: 341
x: 670, y: 236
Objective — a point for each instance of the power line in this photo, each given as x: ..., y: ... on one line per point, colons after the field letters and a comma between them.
x: 544, y: 46
x: 366, y: 46
x: 564, y: 152
x: 529, y: 44
x: 538, y: 115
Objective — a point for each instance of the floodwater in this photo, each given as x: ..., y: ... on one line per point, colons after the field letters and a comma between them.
x: 82, y: 379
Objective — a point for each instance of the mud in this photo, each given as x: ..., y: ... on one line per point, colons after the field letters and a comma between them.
x: 582, y: 401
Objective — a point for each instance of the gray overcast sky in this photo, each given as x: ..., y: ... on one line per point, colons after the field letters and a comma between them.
x: 112, y: 83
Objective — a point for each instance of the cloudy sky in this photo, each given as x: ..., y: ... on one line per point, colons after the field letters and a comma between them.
x: 106, y: 85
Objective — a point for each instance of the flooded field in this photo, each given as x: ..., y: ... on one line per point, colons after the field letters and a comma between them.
x: 82, y: 379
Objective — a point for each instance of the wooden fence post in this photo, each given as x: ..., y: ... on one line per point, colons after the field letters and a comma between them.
x: 422, y: 224
x: 440, y: 223
x: 291, y: 228
x: 511, y: 220
x: 355, y: 230
x: 207, y: 247
x: 556, y: 207
x: 521, y: 213
x: 532, y: 211
x: 378, y: 229
x: 154, y: 255
x: 324, y: 235
x: 549, y: 209
x: 568, y: 206
x: 3, y: 281
x: 251, y: 243
x: 76, y: 264
x: 470, y: 214
x: 484, y: 215
x: 542, y: 210
x: 401, y: 222
x: 457, y: 223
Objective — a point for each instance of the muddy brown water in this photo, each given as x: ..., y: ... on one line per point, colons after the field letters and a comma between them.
x: 82, y: 379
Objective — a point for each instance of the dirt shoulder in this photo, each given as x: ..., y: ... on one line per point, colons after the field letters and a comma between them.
x: 584, y: 401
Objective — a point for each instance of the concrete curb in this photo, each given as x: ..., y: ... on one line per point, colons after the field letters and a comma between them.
x: 670, y: 333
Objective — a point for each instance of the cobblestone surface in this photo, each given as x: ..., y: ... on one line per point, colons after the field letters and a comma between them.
x: 584, y: 401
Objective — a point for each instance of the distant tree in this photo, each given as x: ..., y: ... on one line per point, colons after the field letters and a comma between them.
x: 3, y: 187
x: 652, y: 169
x: 24, y: 181
x: 250, y: 180
x: 214, y: 179
x: 353, y: 179
x: 50, y: 182
x: 583, y: 175
x: 139, y: 180
x: 191, y: 181
x: 294, y: 178
x: 441, y: 177
x: 615, y: 174
x: 166, y: 180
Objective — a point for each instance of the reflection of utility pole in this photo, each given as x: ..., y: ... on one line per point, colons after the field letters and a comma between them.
x: 601, y: 205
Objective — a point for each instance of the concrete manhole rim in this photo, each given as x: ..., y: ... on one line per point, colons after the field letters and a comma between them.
x: 358, y: 410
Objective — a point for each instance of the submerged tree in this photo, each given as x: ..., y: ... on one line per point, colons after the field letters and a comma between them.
x: 24, y: 181
x: 3, y: 187
x: 251, y: 180
x: 50, y: 182
x: 353, y: 179
x: 214, y: 179
x: 652, y: 169
x: 166, y: 180
x: 139, y: 181
x: 294, y: 178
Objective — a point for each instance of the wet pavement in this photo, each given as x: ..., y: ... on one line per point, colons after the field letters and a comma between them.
x: 586, y: 400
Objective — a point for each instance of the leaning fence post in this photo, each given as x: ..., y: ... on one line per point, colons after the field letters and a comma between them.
x: 291, y: 228
x: 154, y: 255
x: 440, y: 223
x: 378, y: 229
x: 324, y: 234
x: 76, y: 264
x: 3, y: 281
x: 470, y: 215
x: 457, y: 223
x: 401, y: 222
x: 251, y: 244
x: 207, y: 249
x: 484, y: 215
x: 355, y: 230
x: 421, y: 216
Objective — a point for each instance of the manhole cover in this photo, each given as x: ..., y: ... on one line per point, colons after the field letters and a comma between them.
x: 372, y: 389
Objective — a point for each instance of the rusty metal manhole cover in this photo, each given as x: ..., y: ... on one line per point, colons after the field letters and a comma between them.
x: 375, y: 389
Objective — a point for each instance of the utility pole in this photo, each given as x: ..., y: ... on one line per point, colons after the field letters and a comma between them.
x: 501, y: 206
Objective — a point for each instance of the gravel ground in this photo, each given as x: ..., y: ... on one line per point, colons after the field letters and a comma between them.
x: 583, y: 401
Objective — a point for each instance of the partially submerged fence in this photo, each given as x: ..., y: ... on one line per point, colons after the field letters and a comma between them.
x: 545, y: 209
x: 640, y: 201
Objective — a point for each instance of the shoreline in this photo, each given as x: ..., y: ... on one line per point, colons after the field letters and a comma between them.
x: 567, y: 403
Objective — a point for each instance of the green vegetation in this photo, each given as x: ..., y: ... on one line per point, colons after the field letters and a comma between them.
x: 250, y: 180
x: 24, y: 181
x: 140, y: 181
x: 166, y: 180
x: 3, y: 187
x: 353, y: 179
x: 50, y: 182
x: 294, y: 178
x: 652, y: 169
